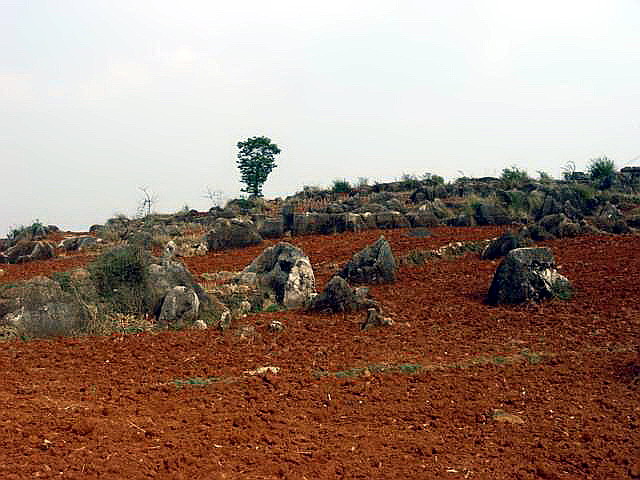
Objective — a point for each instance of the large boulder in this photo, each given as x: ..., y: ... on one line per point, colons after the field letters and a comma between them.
x: 162, y: 278
x: 490, y: 214
x: 504, y: 244
x: 559, y: 225
x: 84, y: 242
x: 41, y: 308
x: 391, y: 220
x: 232, y: 233
x: 271, y: 227
x: 374, y: 264
x: 28, y: 251
x: 180, y: 307
x: 527, y: 274
x: 284, y: 274
x: 338, y: 297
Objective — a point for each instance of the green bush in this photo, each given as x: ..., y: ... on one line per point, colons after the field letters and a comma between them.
x: 514, y: 177
x: 602, y: 171
x: 433, y: 179
x: 341, y: 186
x: 119, y: 276
x: 409, y: 181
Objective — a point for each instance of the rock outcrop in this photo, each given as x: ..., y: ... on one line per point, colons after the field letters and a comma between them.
x: 28, y: 251
x: 338, y: 297
x: 232, y: 233
x: 527, y: 274
x: 284, y: 275
x: 374, y: 264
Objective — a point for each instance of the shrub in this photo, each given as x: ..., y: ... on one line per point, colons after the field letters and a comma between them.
x: 544, y: 177
x: 119, y: 276
x: 602, y: 171
x: 409, y: 181
x: 513, y: 177
x: 433, y: 179
x: 341, y: 186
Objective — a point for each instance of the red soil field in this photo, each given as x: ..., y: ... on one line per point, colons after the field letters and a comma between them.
x: 181, y: 405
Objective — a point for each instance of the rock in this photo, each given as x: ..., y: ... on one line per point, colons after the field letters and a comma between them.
x: 169, y: 252
x: 276, y: 326
x: 2, y: 272
x: 338, y: 296
x: 423, y: 219
x: 40, y: 308
x: 634, y: 221
x: 388, y: 220
x: 28, y: 251
x: 373, y: 265
x: 375, y: 319
x: 527, y: 274
x: 489, y: 214
x: 559, y: 225
x: 72, y: 244
x: 550, y: 206
x: 232, y: 233
x: 199, y: 325
x: 263, y: 371
x: 225, y: 320
x: 462, y: 220
x: 504, y: 244
x: 271, y: 228
x: 179, y: 307
x: 163, y: 277
x: 610, y: 211
x: 284, y: 274
x: 503, y: 417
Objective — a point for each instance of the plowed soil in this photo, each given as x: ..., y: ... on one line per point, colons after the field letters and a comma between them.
x: 455, y: 389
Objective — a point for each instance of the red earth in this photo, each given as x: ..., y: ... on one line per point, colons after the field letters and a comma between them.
x: 455, y: 389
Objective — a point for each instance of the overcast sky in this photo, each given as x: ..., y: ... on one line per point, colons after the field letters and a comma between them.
x: 100, y: 97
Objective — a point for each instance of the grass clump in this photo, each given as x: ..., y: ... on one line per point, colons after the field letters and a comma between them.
x: 195, y: 381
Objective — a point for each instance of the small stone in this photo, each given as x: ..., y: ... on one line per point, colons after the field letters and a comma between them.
x: 276, y: 326
x: 199, y: 325
x: 502, y: 416
x: 375, y: 319
x: 263, y: 371
x: 2, y: 272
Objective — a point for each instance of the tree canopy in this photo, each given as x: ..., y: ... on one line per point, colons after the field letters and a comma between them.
x: 255, y: 161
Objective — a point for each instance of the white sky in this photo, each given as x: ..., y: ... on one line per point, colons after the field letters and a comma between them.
x: 100, y: 97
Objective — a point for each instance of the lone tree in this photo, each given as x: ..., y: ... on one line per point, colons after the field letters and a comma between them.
x: 255, y: 161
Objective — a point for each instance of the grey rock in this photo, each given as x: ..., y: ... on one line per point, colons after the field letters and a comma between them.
x: 504, y: 244
x: 375, y: 319
x: 374, y: 264
x: 180, y: 307
x: 338, y: 297
x: 40, y: 308
x: 284, y: 274
x: 276, y: 326
x: 28, y: 251
x: 527, y: 274
x: 232, y: 233
x: 73, y: 244
x: 559, y: 225
x: 163, y: 276
x: 271, y: 228
x: 489, y: 214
